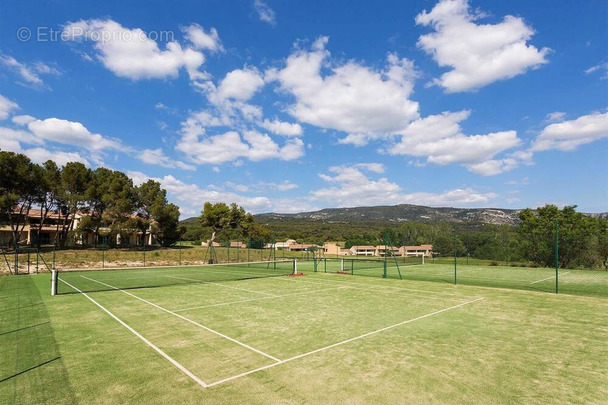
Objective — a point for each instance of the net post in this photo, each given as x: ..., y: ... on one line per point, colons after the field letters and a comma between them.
x: 54, y: 282
x: 423, y: 258
x: 341, y: 264
x: 295, y: 266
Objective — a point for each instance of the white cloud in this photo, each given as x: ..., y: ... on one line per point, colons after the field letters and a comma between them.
x: 12, y: 140
x: 41, y: 155
x: 282, y: 128
x: 15, y: 137
x: 602, y: 67
x: 6, y: 107
x: 555, y: 116
x: 266, y: 187
x: 439, y: 138
x: 354, y: 139
x: 192, y: 197
x: 132, y: 54
x: 72, y: 133
x: 372, y: 167
x: 265, y: 13
x: 240, y: 84
x: 23, y: 119
x: 352, y: 98
x: 157, y: 157
x: 352, y: 188
x: 238, y: 187
x: 202, y: 40
x: 29, y: 73
x: 479, y: 54
x: 229, y: 146
x: 569, y: 135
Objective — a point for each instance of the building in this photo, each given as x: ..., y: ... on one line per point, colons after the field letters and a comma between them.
x: 238, y: 245
x: 206, y: 244
x: 298, y: 247
x: 33, y: 229
x: 48, y: 231
x: 422, y: 250
x: 363, y: 250
x: 381, y: 251
x: 280, y: 245
x: 334, y: 249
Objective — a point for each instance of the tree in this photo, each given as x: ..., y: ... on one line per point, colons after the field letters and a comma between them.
x: 537, y: 233
x: 19, y: 186
x: 75, y: 180
x: 96, y: 195
x: 232, y: 221
x: 47, y: 197
x: 602, y: 241
x: 156, y: 213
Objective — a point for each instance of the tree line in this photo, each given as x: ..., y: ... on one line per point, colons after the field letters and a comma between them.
x: 111, y: 204
x: 582, y: 239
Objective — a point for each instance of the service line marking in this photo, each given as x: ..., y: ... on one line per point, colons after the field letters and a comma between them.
x: 341, y: 343
x: 220, y: 284
x: 146, y: 341
x: 259, y: 299
x: 188, y: 320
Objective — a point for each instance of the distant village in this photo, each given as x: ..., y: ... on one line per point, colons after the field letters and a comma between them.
x: 335, y: 248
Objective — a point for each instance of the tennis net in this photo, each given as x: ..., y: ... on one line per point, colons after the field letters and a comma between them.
x: 74, y: 281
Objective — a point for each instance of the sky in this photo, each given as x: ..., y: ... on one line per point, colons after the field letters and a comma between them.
x: 285, y: 106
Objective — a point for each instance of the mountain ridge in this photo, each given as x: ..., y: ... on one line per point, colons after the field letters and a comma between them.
x: 404, y: 213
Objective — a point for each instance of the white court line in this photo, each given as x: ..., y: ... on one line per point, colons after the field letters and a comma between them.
x: 221, y: 285
x: 189, y: 320
x: 340, y: 343
x: 548, y: 278
x: 335, y: 275
x: 146, y: 341
x: 257, y: 299
x: 366, y: 288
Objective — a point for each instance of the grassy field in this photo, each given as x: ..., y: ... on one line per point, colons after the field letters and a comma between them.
x: 570, y: 281
x: 321, y: 338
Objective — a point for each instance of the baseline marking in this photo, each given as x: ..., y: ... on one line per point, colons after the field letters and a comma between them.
x: 257, y: 299
x: 220, y: 284
x: 548, y: 278
x: 146, y: 341
x: 188, y: 320
x: 340, y: 343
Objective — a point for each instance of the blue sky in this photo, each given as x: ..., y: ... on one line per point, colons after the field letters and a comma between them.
x: 296, y: 106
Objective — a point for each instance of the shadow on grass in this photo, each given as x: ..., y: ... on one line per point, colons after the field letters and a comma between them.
x: 31, y: 368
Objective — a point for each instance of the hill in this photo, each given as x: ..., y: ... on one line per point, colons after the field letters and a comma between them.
x: 339, y: 223
x: 404, y: 213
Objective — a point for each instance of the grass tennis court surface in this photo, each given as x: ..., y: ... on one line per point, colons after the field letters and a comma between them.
x: 321, y: 338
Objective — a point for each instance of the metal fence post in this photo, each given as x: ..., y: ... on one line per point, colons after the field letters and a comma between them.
x: 556, y: 257
x: 455, y: 254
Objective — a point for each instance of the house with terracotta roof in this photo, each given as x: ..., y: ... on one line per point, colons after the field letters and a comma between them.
x: 422, y: 250
x: 390, y: 251
x: 363, y: 250
x: 47, y: 229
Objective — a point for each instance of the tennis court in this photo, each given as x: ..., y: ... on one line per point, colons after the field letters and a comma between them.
x: 249, y: 333
x: 219, y: 323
